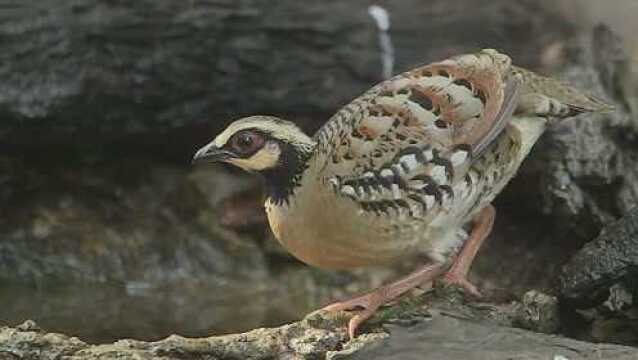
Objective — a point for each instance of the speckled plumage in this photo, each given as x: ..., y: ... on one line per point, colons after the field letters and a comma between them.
x: 410, y: 167
x: 412, y: 160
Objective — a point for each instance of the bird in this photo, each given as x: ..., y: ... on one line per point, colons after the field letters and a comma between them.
x: 409, y: 168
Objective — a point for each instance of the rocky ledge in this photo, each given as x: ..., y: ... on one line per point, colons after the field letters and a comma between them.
x: 443, y: 327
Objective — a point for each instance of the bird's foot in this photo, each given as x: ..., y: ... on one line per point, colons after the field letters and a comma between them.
x: 366, y: 306
x: 453, y: 278
x: 369, y: 303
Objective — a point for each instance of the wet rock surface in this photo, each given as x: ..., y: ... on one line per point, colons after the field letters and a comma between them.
x: 411, y: 330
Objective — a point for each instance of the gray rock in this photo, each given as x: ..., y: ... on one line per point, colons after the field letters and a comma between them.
x: 447, y: 337
x: 620, y: 297
x: 587, y: 167
x: 126, y: 223
x: 538, y: 312
x: 602, y: 263
x: 439, y: 335
x: 92, y: 72
x: 598, y: 285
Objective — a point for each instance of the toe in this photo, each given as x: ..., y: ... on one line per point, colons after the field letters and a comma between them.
x: 470, y: 288
x: 351, y: 304
x: 358, y: 319
x: 461, y: 281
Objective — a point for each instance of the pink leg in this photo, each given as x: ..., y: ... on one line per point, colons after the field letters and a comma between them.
x: 371, y: 301
x: 461, y: 266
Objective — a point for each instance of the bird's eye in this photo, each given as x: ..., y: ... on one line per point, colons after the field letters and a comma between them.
x: 247, y: 142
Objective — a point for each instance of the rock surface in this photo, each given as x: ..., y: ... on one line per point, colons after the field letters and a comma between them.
x: 82, y: 74
x: 611, y: 258
x: 584, y: 171
x: 599, y: 286
x: 123, y: 222
x: 442, y: 338
x: 442, y: 330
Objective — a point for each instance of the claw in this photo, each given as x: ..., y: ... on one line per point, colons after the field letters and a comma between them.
x: 358, y: 319
x: 369, y: 303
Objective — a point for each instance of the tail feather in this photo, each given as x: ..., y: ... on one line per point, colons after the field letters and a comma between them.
x: 549, y: 97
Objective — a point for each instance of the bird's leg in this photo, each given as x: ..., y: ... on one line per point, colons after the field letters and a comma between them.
x: 370, y: 302
x: 457, y: 274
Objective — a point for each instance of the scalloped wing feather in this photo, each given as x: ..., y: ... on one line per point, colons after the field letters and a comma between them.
x: 403, y: 144
x: 456, y: 101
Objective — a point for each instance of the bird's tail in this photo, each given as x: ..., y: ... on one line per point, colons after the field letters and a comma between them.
x: 547, y: 97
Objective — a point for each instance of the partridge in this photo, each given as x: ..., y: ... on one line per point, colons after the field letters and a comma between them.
x: 408, y: 168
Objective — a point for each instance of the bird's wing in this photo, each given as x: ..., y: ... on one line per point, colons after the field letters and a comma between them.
x: 409, y: 139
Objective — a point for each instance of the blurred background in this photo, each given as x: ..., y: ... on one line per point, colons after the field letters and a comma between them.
x: 107, y: 232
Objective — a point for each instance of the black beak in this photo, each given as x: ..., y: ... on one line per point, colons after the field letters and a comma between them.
x: 210, y: 154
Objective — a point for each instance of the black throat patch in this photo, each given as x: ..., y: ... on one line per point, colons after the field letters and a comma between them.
x: 282, y: 179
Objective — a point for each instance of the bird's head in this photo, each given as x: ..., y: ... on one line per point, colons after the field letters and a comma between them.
x: 257, y: 144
